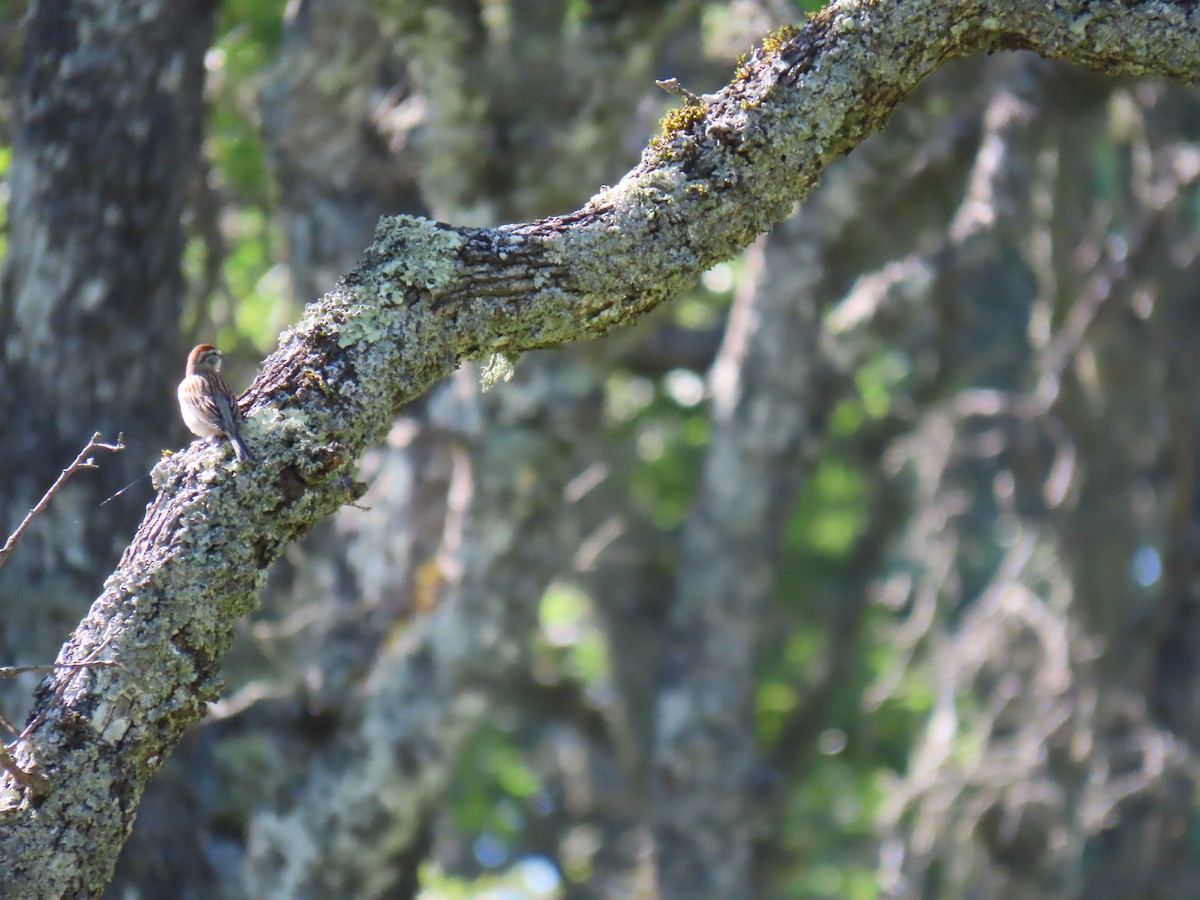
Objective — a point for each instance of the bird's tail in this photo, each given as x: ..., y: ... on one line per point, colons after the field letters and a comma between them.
x: 240, y: 450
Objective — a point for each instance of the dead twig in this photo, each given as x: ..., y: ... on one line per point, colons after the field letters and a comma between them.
x: 14, y: 671
x: 82, y: 461
x: 672, y: 86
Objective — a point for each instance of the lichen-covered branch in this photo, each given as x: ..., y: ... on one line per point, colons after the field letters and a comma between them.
x: 424, y: 299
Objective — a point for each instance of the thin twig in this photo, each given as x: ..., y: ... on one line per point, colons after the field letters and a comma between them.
x: 672, y: 86
x: 82, y: 461
x: 14, y: 671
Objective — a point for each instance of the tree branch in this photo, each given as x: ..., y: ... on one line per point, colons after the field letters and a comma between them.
x: 427, y: 297
x: 83, y: 461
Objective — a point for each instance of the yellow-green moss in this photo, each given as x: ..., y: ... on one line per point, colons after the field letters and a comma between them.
x: 743, y: 71
x: 774, y: 41
x: 674, y: 121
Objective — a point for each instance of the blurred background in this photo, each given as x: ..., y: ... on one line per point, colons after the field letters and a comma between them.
x: 865, y: 569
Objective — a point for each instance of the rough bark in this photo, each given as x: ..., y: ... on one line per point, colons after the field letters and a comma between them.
x: 110, y: 116
x: 428, y: 297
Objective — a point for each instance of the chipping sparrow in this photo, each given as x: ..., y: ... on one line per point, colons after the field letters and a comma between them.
x: 208, y: 406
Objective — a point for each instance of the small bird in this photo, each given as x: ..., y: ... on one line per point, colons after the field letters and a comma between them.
x: 208, y: 406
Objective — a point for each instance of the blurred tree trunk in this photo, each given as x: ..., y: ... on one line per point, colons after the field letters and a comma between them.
x: 108, y: 115
x: 340, y: 157
x: 768, y: 411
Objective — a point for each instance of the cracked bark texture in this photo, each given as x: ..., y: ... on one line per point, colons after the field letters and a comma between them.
x: 428, y: 297
x: 108, y: 120
x: 446, y: 60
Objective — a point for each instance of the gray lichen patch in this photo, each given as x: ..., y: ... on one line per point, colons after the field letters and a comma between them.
x: 415, y: 251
